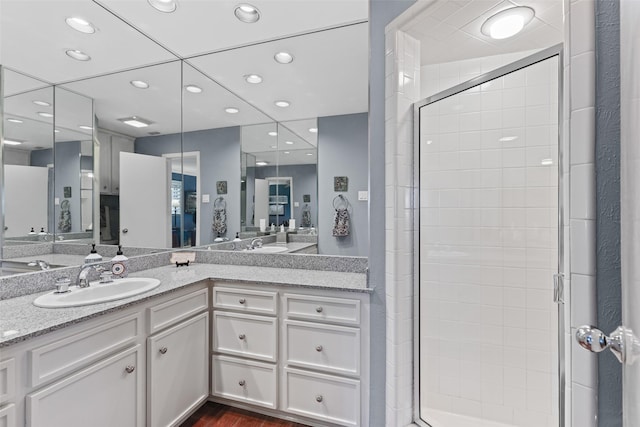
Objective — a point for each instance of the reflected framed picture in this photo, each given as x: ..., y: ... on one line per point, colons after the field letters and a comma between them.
x: 306, y: 198
x: 340, y: 183
x: 221, y: 187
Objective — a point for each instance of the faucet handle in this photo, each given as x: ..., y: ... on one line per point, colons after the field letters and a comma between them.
x: 105, y: 276
x: 62, y: 285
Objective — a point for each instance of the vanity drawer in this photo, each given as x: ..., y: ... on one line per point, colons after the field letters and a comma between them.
x: 249, y: 301
x: 7, y: 380
x: 329, y: 348
x: 173, y: 311
x: 244, y: 380
x: 324, y: 397
x: 345, y: 311
x: 68, y: 354
x: 8, y: 416
x: 245, y: 335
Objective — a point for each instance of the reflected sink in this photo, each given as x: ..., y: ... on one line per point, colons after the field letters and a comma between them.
x: 97, y: 292
x: 267, y: 250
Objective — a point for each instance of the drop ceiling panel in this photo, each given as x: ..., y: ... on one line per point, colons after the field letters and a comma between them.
x: 327, y: 77
x: 199, y: 26
x: 35, y: 38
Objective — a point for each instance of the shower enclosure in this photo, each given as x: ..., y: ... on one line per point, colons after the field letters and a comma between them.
x: 489, y: 325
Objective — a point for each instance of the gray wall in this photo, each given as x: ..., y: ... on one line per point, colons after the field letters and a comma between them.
x: 67, y: 174
x: 381, y: 12
x: 342, y: 151
x: 219, y: 161
x: 607, y: 164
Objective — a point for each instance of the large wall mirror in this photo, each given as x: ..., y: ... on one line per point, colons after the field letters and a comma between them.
x: 147, y: 149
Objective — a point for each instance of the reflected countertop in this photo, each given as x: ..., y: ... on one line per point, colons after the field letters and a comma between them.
x: 21, y: 320
x: 53, y: 259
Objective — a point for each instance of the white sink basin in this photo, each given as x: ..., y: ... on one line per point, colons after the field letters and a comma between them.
x: 267, y: 250
x: 97, y: 292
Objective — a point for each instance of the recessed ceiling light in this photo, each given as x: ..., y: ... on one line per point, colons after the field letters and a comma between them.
x: 282, y: 104
x: 273, y: 133
x: 283, y: 58
x: 193, y: 88
x: 166, y: 6
x: 289, y: 142
x: 253, y: 78
x: 507, y: 23
x: 12, y: 142
x: 45, y: 114
x: 231, y: 110
x: 81, y: 25
x: 140, y: 84
x: 247, y: 13
x: 313, y: 130
x: 508, y: 138
x: 78, y: 55
x: 136, y: 122
x: 15, y: 121
x: 261, y: 163
x: 85, y: 127
x: 42, y: 103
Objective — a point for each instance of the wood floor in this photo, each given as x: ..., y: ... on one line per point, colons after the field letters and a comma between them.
x: 215, y: 414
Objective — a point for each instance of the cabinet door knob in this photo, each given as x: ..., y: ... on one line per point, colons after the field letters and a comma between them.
x: 241, y: 383
x: 319, y: 309
x: 163, y: 350
x: 319, y: 348
x: 242, y: 300
x: 130, y: 369
x: 319, y: 398
x: 241, y: 336
x: 125, y: 230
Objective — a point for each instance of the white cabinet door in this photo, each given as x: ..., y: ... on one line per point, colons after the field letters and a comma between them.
x: 118, y: 145
x: 106, y: 394
x: 178, y: 366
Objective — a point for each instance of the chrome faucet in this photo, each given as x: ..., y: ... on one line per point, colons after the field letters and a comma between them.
x: 256, y: 243
x: 44, y: 265
x: 82, y: 281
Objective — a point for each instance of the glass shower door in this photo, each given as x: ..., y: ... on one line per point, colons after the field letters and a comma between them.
x: 488, y: 250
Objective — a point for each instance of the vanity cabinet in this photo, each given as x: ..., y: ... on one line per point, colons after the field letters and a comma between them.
x: 301, y: 354
x: 111, y: 145
x: 7, y: 392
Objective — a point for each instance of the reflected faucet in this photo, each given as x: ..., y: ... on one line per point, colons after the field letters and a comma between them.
x: 44, y: 265
x: 82, y: 281
x: 256, y: 243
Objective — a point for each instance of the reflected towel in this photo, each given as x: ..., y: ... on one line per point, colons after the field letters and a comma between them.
x: 306, y: 216
x: 341, y: 223
x: 219, y: 224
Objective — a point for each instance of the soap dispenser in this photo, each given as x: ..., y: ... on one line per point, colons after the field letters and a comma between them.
x: 236, y: 245
x: 93, y: 256
x: 120, y: 264
x: 32, y: 232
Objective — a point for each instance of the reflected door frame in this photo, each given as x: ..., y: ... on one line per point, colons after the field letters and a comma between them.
x: 196, y: 156
x: 284, y: 179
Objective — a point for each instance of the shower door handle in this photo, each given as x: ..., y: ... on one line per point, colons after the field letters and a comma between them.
x: 622, y: 342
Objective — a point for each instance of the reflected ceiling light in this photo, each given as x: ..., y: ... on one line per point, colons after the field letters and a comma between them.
x: 45, y: 114
x: 313, y: 130
x: 253, y: 78
x: 193, y: 88
x: 309, y: 154
x: 166, y: 6
x: 283, y: 58
x: 78, y: 55
x: 282, y: 104
x: 85, y: 127
x: 15, y: 121
x: 429, y: 142
x: 139, y: 84
x: 81, y: 25
x: 89, y: 174
x: 136, y: 122
x: 289, y: 142
x: 56, y: 131
x: 546, y: 162
x: 287, y: 152
x: 274, y: 146
x: 42, y: 103
x: 508, y: 138
x: 507, y: 23
x: 247, y: 13
x: 231, y: 110
x: 261, y: 163
x: 273, y: 133
x: 12, y: 142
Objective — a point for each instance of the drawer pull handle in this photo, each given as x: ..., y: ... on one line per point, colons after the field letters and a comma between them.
x: 163, y: 350
x: 319, y: 309
x: 319, y: 348
x: 241, y: 383
x: 242, y: 300
x: 241, y: 336
x: 130, y: 369
x: 319, y: 398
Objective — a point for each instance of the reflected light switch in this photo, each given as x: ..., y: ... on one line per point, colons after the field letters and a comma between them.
x: 205, y: 198
x: 296, y: 204
x: 57, y: 201
x: 363, y: 196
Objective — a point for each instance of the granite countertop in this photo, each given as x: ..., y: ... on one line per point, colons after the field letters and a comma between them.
x: 21, y: 320
x: 53, y: 259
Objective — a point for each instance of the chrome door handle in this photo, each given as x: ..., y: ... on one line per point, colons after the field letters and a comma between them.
x: 622, y: 342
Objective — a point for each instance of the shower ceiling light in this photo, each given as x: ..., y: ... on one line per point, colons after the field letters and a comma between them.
x: 81, y: 25
x: 139, y: 84
x: 247, y: 13
x: 193, y: 89
x: 253, y: 78
x: 136, y: 122
x: 507, y: 23
x: 78, y: 55
x: 283, y: 58
x: 42, y: 103
x: 166, y: 6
